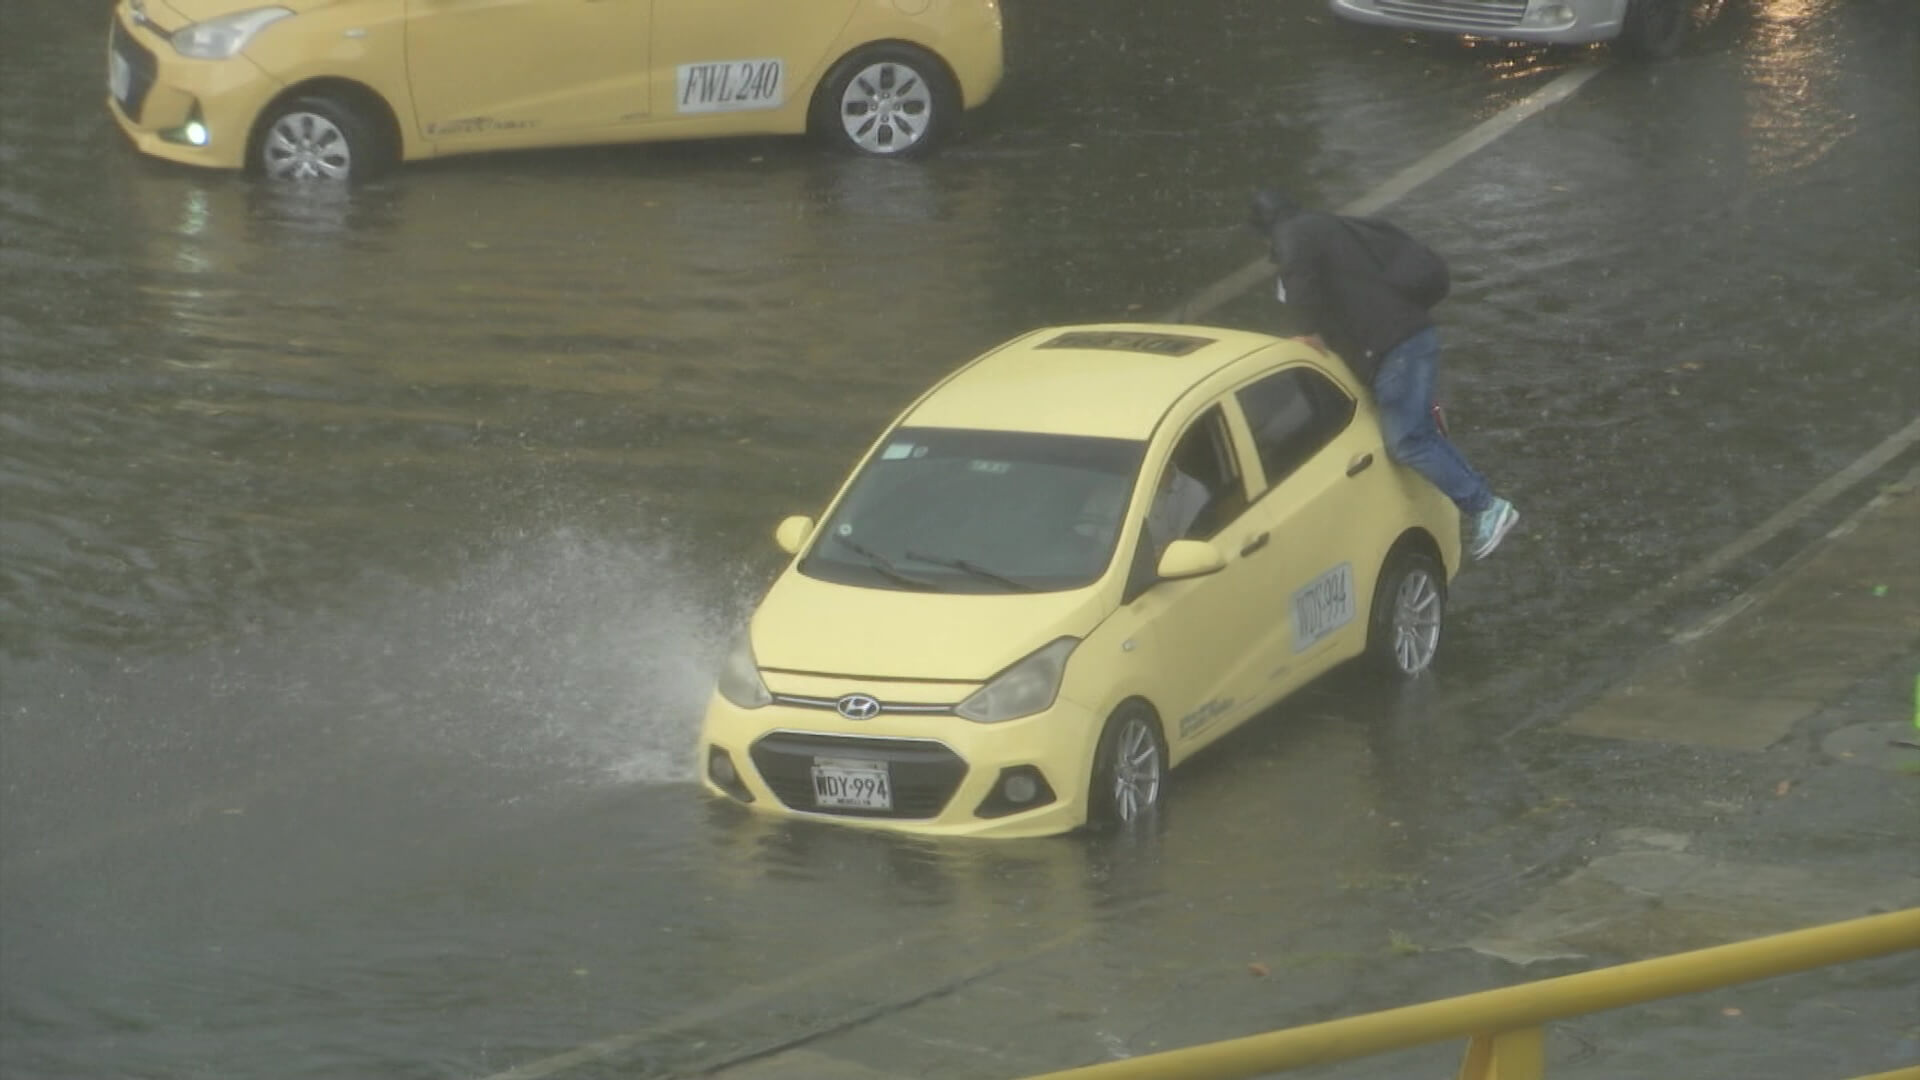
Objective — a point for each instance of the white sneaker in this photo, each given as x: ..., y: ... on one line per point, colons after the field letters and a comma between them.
x: 1492, y: 525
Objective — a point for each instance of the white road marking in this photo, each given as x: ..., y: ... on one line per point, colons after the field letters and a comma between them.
x: 1202, y: 303
x: 1801, y: 508
x: 1637, y: 609
x: 1816, y: 499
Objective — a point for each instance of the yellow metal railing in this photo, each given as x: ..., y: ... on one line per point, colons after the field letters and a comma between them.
x: 1504, y: 1027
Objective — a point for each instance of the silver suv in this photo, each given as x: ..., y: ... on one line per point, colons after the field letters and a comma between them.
x: 1650, y: 28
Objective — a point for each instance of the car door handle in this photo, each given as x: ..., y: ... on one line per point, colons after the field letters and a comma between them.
x: 1253, y: 544
x: 1359, y: 465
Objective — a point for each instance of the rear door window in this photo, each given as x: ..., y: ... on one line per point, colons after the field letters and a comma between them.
x: 1292, y: 414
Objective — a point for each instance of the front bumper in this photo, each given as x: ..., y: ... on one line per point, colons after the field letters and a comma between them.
x: 1546, y: 22
x: 948, y: 775
x: 164, y: 92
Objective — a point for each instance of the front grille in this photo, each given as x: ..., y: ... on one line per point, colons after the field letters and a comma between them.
x: 141, y: 66
x: 923, y: 774
x: 801, y: 701
x: 1467, y: 15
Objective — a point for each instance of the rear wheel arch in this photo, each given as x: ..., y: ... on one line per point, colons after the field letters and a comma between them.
x: 1418, y: 540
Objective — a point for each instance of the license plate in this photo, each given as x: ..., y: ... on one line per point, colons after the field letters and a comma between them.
x: 851, y: 783
x: 730, y: 85
x: 119, y: 77
x: 1325, y: 605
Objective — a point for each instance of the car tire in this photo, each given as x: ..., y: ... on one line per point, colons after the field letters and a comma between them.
x: 1129, y: 770
x: 1653, y: 29
x: 319, y: 138
x: 1409, y: 610
x: 886, y: 101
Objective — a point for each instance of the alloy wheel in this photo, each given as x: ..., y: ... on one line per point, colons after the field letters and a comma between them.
x: 1417, y: 609
x: 1136, y: 770
x: 306, y: 146
x: 886, y: 108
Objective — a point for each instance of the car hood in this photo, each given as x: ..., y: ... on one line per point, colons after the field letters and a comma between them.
x: 186, y: 12
x: 822, y: 628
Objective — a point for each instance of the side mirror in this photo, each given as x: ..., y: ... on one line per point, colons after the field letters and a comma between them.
x: 793, y: 532
x: 1189, y: 558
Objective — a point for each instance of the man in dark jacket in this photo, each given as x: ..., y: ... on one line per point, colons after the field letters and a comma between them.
x: 1340, y: 292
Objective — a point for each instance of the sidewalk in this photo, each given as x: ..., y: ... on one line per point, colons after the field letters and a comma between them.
x: 1812, y: 673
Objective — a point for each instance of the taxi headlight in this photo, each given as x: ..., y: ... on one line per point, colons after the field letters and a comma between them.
x: 740, y: 680
x: 1023, y: 689
x: 217, y: 39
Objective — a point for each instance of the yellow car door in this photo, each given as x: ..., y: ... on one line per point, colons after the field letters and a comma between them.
x: 1198, y: 638
x: 714, y: 59
x: 510, y: 70
x: 1332, y: 505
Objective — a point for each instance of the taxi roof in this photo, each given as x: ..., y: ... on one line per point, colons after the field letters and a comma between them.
x: 1115, y: 380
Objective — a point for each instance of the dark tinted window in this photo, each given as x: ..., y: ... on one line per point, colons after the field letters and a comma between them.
x: 1293, y: 413
x: 952, y: 510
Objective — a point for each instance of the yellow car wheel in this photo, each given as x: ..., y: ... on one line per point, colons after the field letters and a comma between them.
x: 886, y: 101
x: 1129, y: 769
x: 1409, y: 608
x: 319, y: 137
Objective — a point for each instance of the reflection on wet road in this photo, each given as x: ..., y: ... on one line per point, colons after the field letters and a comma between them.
x: 366, y: 554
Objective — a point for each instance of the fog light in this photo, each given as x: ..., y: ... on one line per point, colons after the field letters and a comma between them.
x: 725, y: 776
x: 1017, y: 789
x: 194, y: 132
x: 1552, y: 14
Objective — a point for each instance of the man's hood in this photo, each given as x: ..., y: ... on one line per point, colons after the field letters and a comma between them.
x: 1271, y: 206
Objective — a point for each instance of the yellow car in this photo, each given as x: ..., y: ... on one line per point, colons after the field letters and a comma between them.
x: 1073, y: 563
x: 340, y: 89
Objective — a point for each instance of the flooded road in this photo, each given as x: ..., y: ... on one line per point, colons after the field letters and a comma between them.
x: 367, y: 554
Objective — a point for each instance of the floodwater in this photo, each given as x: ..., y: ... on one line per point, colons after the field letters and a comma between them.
x: 366, y: 554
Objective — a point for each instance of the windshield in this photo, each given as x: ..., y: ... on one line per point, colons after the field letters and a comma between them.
x: 947, y: 510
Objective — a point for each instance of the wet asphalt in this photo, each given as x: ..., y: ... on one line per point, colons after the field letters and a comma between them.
x: 366, y: 554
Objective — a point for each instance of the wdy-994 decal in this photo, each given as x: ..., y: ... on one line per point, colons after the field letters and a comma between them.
x: 1325, y: 605
x: 730, y: 85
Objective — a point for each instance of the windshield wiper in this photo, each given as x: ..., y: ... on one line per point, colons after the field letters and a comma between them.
x: 885, y: 566
x: 975, y: 569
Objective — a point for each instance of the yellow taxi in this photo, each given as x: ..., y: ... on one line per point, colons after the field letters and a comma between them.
x: 340, y: 89
x: 1066, y: 568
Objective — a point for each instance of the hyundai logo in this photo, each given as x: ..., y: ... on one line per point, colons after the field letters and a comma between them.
x: 857, y: 707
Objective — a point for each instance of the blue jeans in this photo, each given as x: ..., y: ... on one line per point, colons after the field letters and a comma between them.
x: 1403, y: 389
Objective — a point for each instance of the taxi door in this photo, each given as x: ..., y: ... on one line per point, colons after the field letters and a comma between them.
x: 717, y: 58
x: 1326, y: 495
x: 508, y: 70
x: 1197, y: 646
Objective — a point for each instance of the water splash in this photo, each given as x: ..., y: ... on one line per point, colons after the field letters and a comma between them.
x: 553, y: 660
x: 568, y: 651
